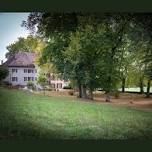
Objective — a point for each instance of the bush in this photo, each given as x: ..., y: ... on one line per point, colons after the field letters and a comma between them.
x: 116, y: 94
x: 5, y: 83
x: 67, y: 87
x: 3, y: 73
x: 48, y: 88
x: 42, y: 81
x: 71, y: 93
x: 30, y: 85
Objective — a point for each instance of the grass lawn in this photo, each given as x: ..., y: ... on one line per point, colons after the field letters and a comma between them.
x: 25, y: 115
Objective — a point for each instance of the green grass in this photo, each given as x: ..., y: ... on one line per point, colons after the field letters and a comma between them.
x: 25, y: 115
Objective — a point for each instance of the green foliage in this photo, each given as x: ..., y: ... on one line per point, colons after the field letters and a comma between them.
x: 54, y: 51
x: 71, y: 92
x: 67, y: 87
x: 96, y: 50
x: 42, y: 80
x: 30, y: 85
x: 29, y: 44
x: 74, y: 56
x: 51, y: 22
x: 3, y: 73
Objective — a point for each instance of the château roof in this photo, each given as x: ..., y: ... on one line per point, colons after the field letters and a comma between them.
x: 21, y: 59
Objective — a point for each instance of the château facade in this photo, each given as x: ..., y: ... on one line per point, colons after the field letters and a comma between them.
x: 22, y: 69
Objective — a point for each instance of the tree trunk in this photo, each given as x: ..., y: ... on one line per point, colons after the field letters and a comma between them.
x: 80, y: 92
x: 148, y: 88
x: 123, y: 84
x: 44, y: 91
x: 83, y: 92
x: 108, y: 97
x: 141, y: 86
x: 90, y: 94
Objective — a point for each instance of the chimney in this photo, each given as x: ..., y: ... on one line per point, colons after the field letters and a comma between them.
x: 1, y: 62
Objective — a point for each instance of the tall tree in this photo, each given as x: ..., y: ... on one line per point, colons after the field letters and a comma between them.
x: 84, y: 47
x: 145, y: 22
x: 29, y: 44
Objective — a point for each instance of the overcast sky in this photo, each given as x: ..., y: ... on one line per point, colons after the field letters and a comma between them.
x: 10, y: 30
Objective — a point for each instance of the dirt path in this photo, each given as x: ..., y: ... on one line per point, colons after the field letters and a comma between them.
x: 130, y: 100
x: 135, y: 101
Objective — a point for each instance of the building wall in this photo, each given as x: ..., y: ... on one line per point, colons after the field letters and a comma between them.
x: 20, y: 75
x: 57, y: 83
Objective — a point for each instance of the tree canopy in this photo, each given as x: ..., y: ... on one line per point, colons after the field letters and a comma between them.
x: 29, y: 44
x: 96, y: 50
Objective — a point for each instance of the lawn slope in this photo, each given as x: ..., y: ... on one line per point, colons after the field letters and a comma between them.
x: 25, y: 115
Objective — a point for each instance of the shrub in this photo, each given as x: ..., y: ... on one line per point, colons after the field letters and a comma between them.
x: 30, y: 85
x: 42, y: 81
x: 3, y: 73
x: 71, y: 93
x: 116, y: 94
x: 67, y: 87
x: 48, y: 88
x: 7, y: 83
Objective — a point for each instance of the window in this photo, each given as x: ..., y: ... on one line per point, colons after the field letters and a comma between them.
x: 30, y: 71
x: 35, y: 78
x: 14, y: 70
x: 29, y: 78
x: 59, y: 85
x: 25, y: 70
x: 25, y: 78
x: 14, y: 79
x: 32, y: 78
x: 35, y: 70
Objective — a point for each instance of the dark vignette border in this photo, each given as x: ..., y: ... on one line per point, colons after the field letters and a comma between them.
x: 76, y: 5
x: 70, y: 6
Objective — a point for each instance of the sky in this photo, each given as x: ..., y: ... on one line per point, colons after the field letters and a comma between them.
x: 10, y: 30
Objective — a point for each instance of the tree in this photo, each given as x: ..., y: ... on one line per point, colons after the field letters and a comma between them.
x: 111, y: 59
x: 42, y: 80
x: 72, y: 48
x: 3, y: 73
x: 29, y: 44
x: 80, y: 56
x: 145, y: 21
x: 90, y: 49
x: 56, y: 27
x: 139, y: 68
x: 94, y: 54
x: 30, y: 85
x: 148, y: 69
